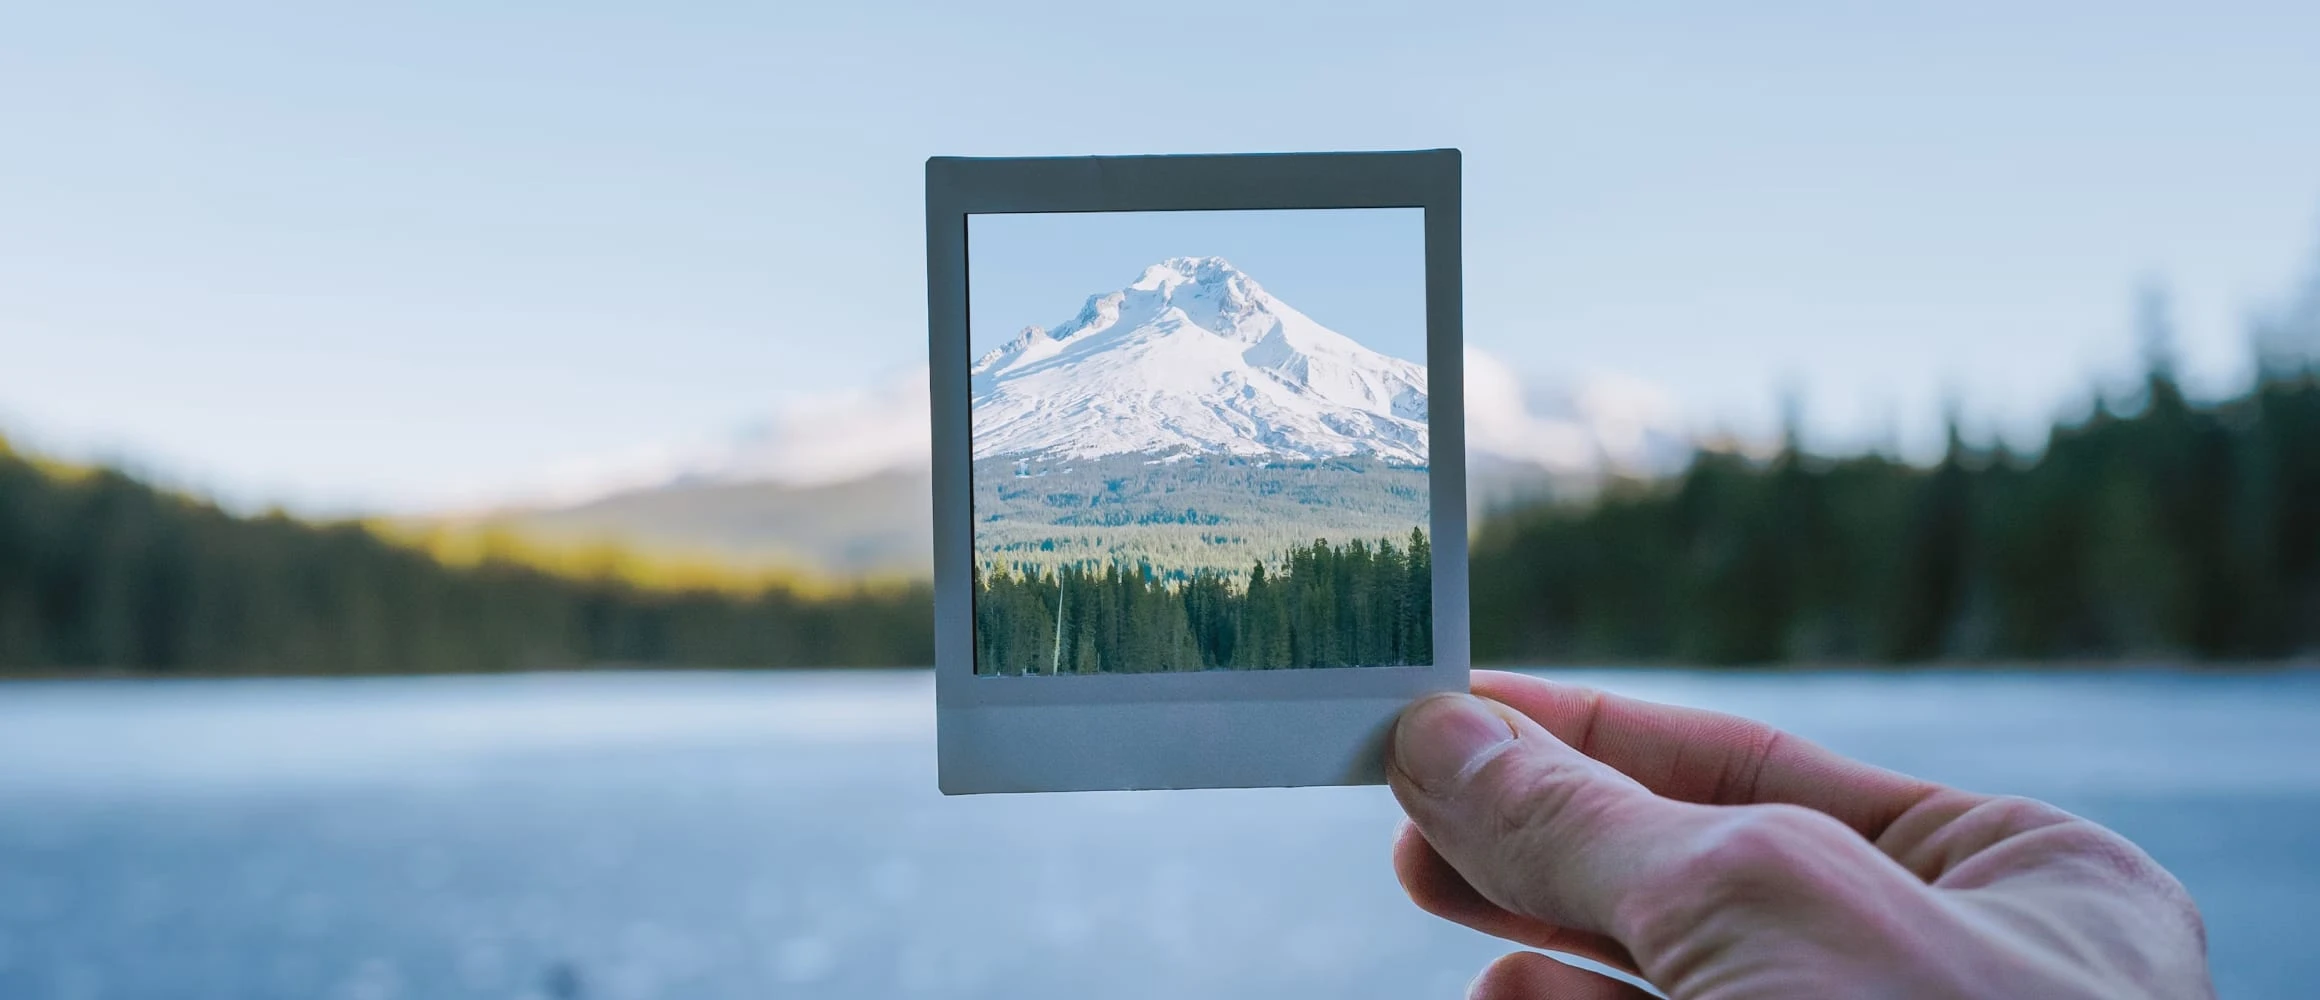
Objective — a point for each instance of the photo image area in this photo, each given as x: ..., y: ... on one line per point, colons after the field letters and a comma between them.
x: 1200, y: 441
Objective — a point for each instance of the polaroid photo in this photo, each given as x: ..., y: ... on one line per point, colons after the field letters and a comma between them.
x: 1199, y: 465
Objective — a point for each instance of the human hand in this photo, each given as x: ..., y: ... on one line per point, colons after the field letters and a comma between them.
x: 1720, y: 859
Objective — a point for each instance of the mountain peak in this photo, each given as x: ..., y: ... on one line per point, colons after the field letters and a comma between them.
x: 1168, y: 274
x: 1210, y: 292
x: 1196, y: 357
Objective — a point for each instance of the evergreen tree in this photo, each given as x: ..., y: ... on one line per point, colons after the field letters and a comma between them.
x: 1348, y: 604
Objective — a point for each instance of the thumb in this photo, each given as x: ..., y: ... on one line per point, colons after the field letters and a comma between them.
x: 1536, y: 827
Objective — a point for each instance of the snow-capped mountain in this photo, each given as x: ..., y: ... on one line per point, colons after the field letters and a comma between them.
x: 1195, y: 357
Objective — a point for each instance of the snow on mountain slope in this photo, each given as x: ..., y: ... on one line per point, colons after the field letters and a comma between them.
x: 1195, y: 357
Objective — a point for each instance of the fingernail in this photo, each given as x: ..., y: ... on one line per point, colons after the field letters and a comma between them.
x: 1440, y: 739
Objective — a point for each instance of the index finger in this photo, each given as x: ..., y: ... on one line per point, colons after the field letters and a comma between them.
x: 1694, y: 755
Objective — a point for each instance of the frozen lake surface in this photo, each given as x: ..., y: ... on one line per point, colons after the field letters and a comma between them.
x: 779, y: 835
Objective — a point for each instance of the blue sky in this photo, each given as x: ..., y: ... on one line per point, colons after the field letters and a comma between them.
x: 377, y: 255
x: 1361, y: 272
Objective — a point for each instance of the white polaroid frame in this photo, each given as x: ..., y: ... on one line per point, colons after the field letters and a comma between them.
x: 1216, y: 728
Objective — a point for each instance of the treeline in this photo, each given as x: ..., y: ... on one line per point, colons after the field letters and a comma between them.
x: 1355, y: 604
x: 1219, y: 513
x: 2161, y: 529
x: 101, y: 572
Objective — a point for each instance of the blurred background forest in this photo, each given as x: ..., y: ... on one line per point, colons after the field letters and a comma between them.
x: 100, y: 572
x: 2155, y: 526
x: 2159, y: 528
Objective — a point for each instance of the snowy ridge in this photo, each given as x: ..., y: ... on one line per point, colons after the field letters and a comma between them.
x: 1195, y: 357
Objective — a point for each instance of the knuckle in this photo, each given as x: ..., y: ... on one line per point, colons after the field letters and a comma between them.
x: 1753, y: 858
x: 2015, y: 812
x: 2046, y: 832
x: 2111, y: 857
x: 1760, y: 844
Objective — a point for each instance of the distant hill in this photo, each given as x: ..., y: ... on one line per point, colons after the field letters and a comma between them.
x: 875, y: 525
x: 1210, y: 512
x: 880, y: 525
